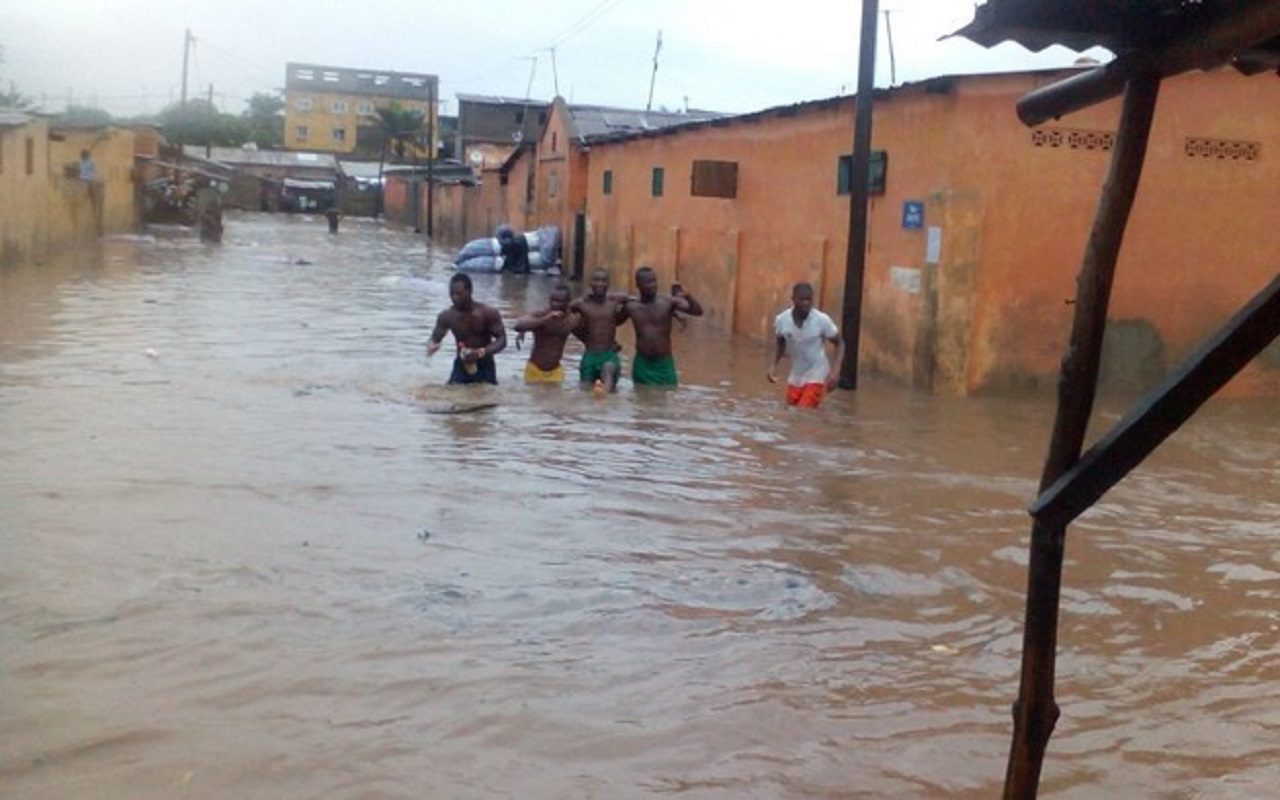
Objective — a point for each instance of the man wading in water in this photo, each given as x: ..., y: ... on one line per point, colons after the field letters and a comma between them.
x: 551, y: 330
x: 802, y: 332
x: 602, y: 313
x: 652, y: 315
x: 477, y: 329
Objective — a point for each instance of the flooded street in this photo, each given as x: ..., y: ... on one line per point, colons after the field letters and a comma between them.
x: 244, y: 557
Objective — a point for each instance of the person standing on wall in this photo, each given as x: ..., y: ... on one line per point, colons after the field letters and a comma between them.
x: 89, y: 174
x: 802, y: 333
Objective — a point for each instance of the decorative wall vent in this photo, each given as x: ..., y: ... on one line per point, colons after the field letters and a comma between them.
x: 1222, y: 149
x: 1066, y: 138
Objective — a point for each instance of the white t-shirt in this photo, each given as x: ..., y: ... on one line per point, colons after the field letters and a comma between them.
x: 804, y: 345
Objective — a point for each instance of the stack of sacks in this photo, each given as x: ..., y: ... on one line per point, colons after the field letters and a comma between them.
x: 480, y: 255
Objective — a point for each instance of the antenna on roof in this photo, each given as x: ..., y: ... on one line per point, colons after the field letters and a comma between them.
x: 654, y: 77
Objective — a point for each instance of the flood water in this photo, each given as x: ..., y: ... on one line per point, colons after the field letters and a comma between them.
x: 245, y: 557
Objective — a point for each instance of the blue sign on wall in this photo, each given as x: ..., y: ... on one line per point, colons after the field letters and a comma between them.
x: 913, y: 215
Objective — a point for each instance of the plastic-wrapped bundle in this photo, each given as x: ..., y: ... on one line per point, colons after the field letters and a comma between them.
x: 488, y: 246
x: 548, y: 245
x: 481, y: 263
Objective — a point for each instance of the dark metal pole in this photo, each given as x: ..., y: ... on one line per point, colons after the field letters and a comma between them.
x: 1036, y: 712
x: 859, y: 172
x: 431, y: 164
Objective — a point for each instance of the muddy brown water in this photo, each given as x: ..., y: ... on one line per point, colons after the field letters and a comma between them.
x: 243, y: 558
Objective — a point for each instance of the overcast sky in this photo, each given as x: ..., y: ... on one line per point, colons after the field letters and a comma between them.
x: 724, y: 55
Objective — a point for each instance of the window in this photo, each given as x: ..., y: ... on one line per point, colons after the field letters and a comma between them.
x: 302, y: 104
x: 339, y: 106
x: 553, y: 141
x: 714, y: 179
x: 31, y: 156
x: 301, y: 133
x: 875, y: 178
x: 519, y: 117
x: 305, y: 75
x: 608, y: 181
x: 364, y: 108
x: 659, y: 178
x: 330, y: 76
x: 339, y: 134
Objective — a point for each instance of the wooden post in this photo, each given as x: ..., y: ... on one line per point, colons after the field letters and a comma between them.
x: 1036, y: 712
x: 859, y: 198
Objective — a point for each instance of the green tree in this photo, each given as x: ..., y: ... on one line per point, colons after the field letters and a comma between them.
x: 200, y: 122
x: 398, y: 126
x: 83, y: 115
x: 12, y: 98
x: 264, y: 119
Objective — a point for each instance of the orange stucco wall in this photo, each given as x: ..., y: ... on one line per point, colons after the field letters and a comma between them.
x: 992, y: 313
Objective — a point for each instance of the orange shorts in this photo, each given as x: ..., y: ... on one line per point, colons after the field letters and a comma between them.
x: 807, y: 396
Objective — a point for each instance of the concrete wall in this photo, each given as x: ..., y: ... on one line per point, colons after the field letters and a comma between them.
x: 1013, y: 206
x: 43, y: 208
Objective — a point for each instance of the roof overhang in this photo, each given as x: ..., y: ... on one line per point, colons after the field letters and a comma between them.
x: 1165, y: 37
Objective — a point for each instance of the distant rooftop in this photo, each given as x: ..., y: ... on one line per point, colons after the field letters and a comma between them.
x: 376, y: 82
x: 12, y: 119
x: 596, y: 122
x: 500, y: 101
x: 262, y: 158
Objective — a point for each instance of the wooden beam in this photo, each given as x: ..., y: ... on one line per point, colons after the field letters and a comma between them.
x: 1163, y: 410
x: 1202, y: 48
x: 1036, y: 712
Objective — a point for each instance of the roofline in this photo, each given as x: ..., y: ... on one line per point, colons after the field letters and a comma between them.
x: 495, y: 99
x: 804, y: 106
x: 390, y: 72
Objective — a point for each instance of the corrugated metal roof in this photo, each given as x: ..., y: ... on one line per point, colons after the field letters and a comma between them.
x: 595, y: 122
x: 500, y: 101
x: 12, y: 119
x: 267, y: 158
x: 1118, y: 25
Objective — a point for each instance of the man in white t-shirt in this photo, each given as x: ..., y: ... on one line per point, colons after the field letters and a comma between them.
x: 803, y: 332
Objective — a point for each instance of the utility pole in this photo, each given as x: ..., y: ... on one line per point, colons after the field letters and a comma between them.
x: 859, y: 172
x: 555, y: 75
x: 893, y: 63
x: 208, y: 138
x: 654, y: 77
x: 431, y: 162
x: 182, y: 104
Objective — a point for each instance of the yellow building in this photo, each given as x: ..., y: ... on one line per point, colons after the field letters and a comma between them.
x: 44, y: 205
x: 334, y: 109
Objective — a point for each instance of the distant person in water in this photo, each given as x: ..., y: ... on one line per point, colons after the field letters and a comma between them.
x: 802, y: 333
x: 333, y: 216
x: 550, y: 329
x: 477, y: 330
x: 652, y: 315
x: 601, y: 313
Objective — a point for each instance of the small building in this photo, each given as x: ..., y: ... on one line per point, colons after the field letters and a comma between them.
x: 560, y: 196
x: 44, y: 205
x: 259, y: 175
x: 490, y: 127
x: 974, y: 228
x: 335, y: 109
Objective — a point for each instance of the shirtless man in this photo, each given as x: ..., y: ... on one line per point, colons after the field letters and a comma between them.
x: 601, y: 314
x: 551, y: 329
x: 652, y: 315
x: 477, y: 329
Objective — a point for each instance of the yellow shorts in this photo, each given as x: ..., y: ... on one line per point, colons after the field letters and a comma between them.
x: 534, y: 374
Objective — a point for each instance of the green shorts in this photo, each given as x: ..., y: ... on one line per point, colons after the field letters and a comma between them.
x: 591, y: 368
x: 647, y: 371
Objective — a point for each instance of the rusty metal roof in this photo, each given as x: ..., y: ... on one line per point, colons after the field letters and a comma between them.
x: 1119, y: 25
